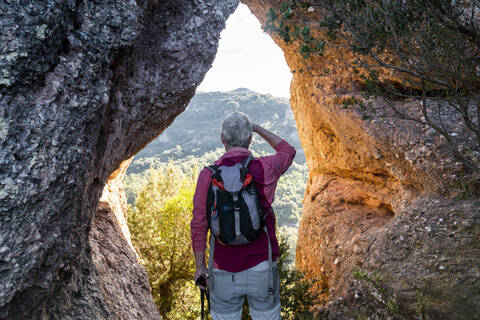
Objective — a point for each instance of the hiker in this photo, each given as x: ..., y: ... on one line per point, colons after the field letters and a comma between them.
x: 237, y: 270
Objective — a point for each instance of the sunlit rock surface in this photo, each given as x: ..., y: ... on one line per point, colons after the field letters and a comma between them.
x: 385, y: 197
x: 121, y: 279
x: 84, y: 85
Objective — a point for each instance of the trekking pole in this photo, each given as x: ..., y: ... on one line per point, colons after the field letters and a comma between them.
x: 207, y: 294
x: 203, y: 292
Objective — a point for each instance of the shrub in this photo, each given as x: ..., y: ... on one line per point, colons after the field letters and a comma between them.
x: 159, y: 223
x: 426, y: 50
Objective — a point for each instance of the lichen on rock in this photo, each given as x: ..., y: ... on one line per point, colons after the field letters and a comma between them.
x: 91, y: 84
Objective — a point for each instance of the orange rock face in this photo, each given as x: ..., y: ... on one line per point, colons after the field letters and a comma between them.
x: 370, y: 178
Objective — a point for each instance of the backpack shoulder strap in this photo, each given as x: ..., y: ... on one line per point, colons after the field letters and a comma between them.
x: 247, y: 160
x: 244, y: 169
x: 213, y: 168
x: 215, y: 172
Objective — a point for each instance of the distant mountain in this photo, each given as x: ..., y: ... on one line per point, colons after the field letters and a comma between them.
x: 197, y: 130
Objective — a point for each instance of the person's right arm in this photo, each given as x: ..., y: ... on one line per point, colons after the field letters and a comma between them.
x: 272, y: 139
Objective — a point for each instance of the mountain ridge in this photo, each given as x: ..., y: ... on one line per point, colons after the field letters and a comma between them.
x: 192, y: 132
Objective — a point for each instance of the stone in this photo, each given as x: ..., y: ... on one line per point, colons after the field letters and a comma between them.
x: 84, y: 86
x: 121, y: 279
x: 367, y: 181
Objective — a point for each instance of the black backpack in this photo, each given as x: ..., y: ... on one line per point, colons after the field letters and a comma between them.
x: 234, y: 214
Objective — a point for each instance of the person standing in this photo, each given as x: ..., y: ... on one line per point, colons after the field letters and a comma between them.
x: 245, y: 270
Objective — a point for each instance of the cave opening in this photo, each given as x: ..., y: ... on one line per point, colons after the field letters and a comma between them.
x: 249, y: 74
x: 339, y: 205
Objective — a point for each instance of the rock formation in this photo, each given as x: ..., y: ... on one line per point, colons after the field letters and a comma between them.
x: 382, y: 225
x: 84, y: 85
x: 120, y: 278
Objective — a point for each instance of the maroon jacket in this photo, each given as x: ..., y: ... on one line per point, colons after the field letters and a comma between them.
x: 265, y: 171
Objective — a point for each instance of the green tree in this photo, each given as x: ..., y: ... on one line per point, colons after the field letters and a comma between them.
x: 297, y: 293
x: 428, y: 50
x: 289, y: 195
x: 159, y: 222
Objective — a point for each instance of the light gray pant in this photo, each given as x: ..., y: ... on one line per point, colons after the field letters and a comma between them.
x: 231, y: 288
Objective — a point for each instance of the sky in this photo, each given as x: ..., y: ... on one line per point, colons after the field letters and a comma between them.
x: 247, y: 58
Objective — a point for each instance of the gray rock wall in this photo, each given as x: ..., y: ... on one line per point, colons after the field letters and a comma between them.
x: 84, y: 85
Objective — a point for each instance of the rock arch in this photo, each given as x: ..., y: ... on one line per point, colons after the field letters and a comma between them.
x: 85, y: 85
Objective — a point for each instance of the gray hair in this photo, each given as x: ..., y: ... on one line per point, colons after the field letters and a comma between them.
x: 237, y: 130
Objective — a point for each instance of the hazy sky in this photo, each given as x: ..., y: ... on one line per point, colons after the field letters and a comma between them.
x: 247, y: 58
